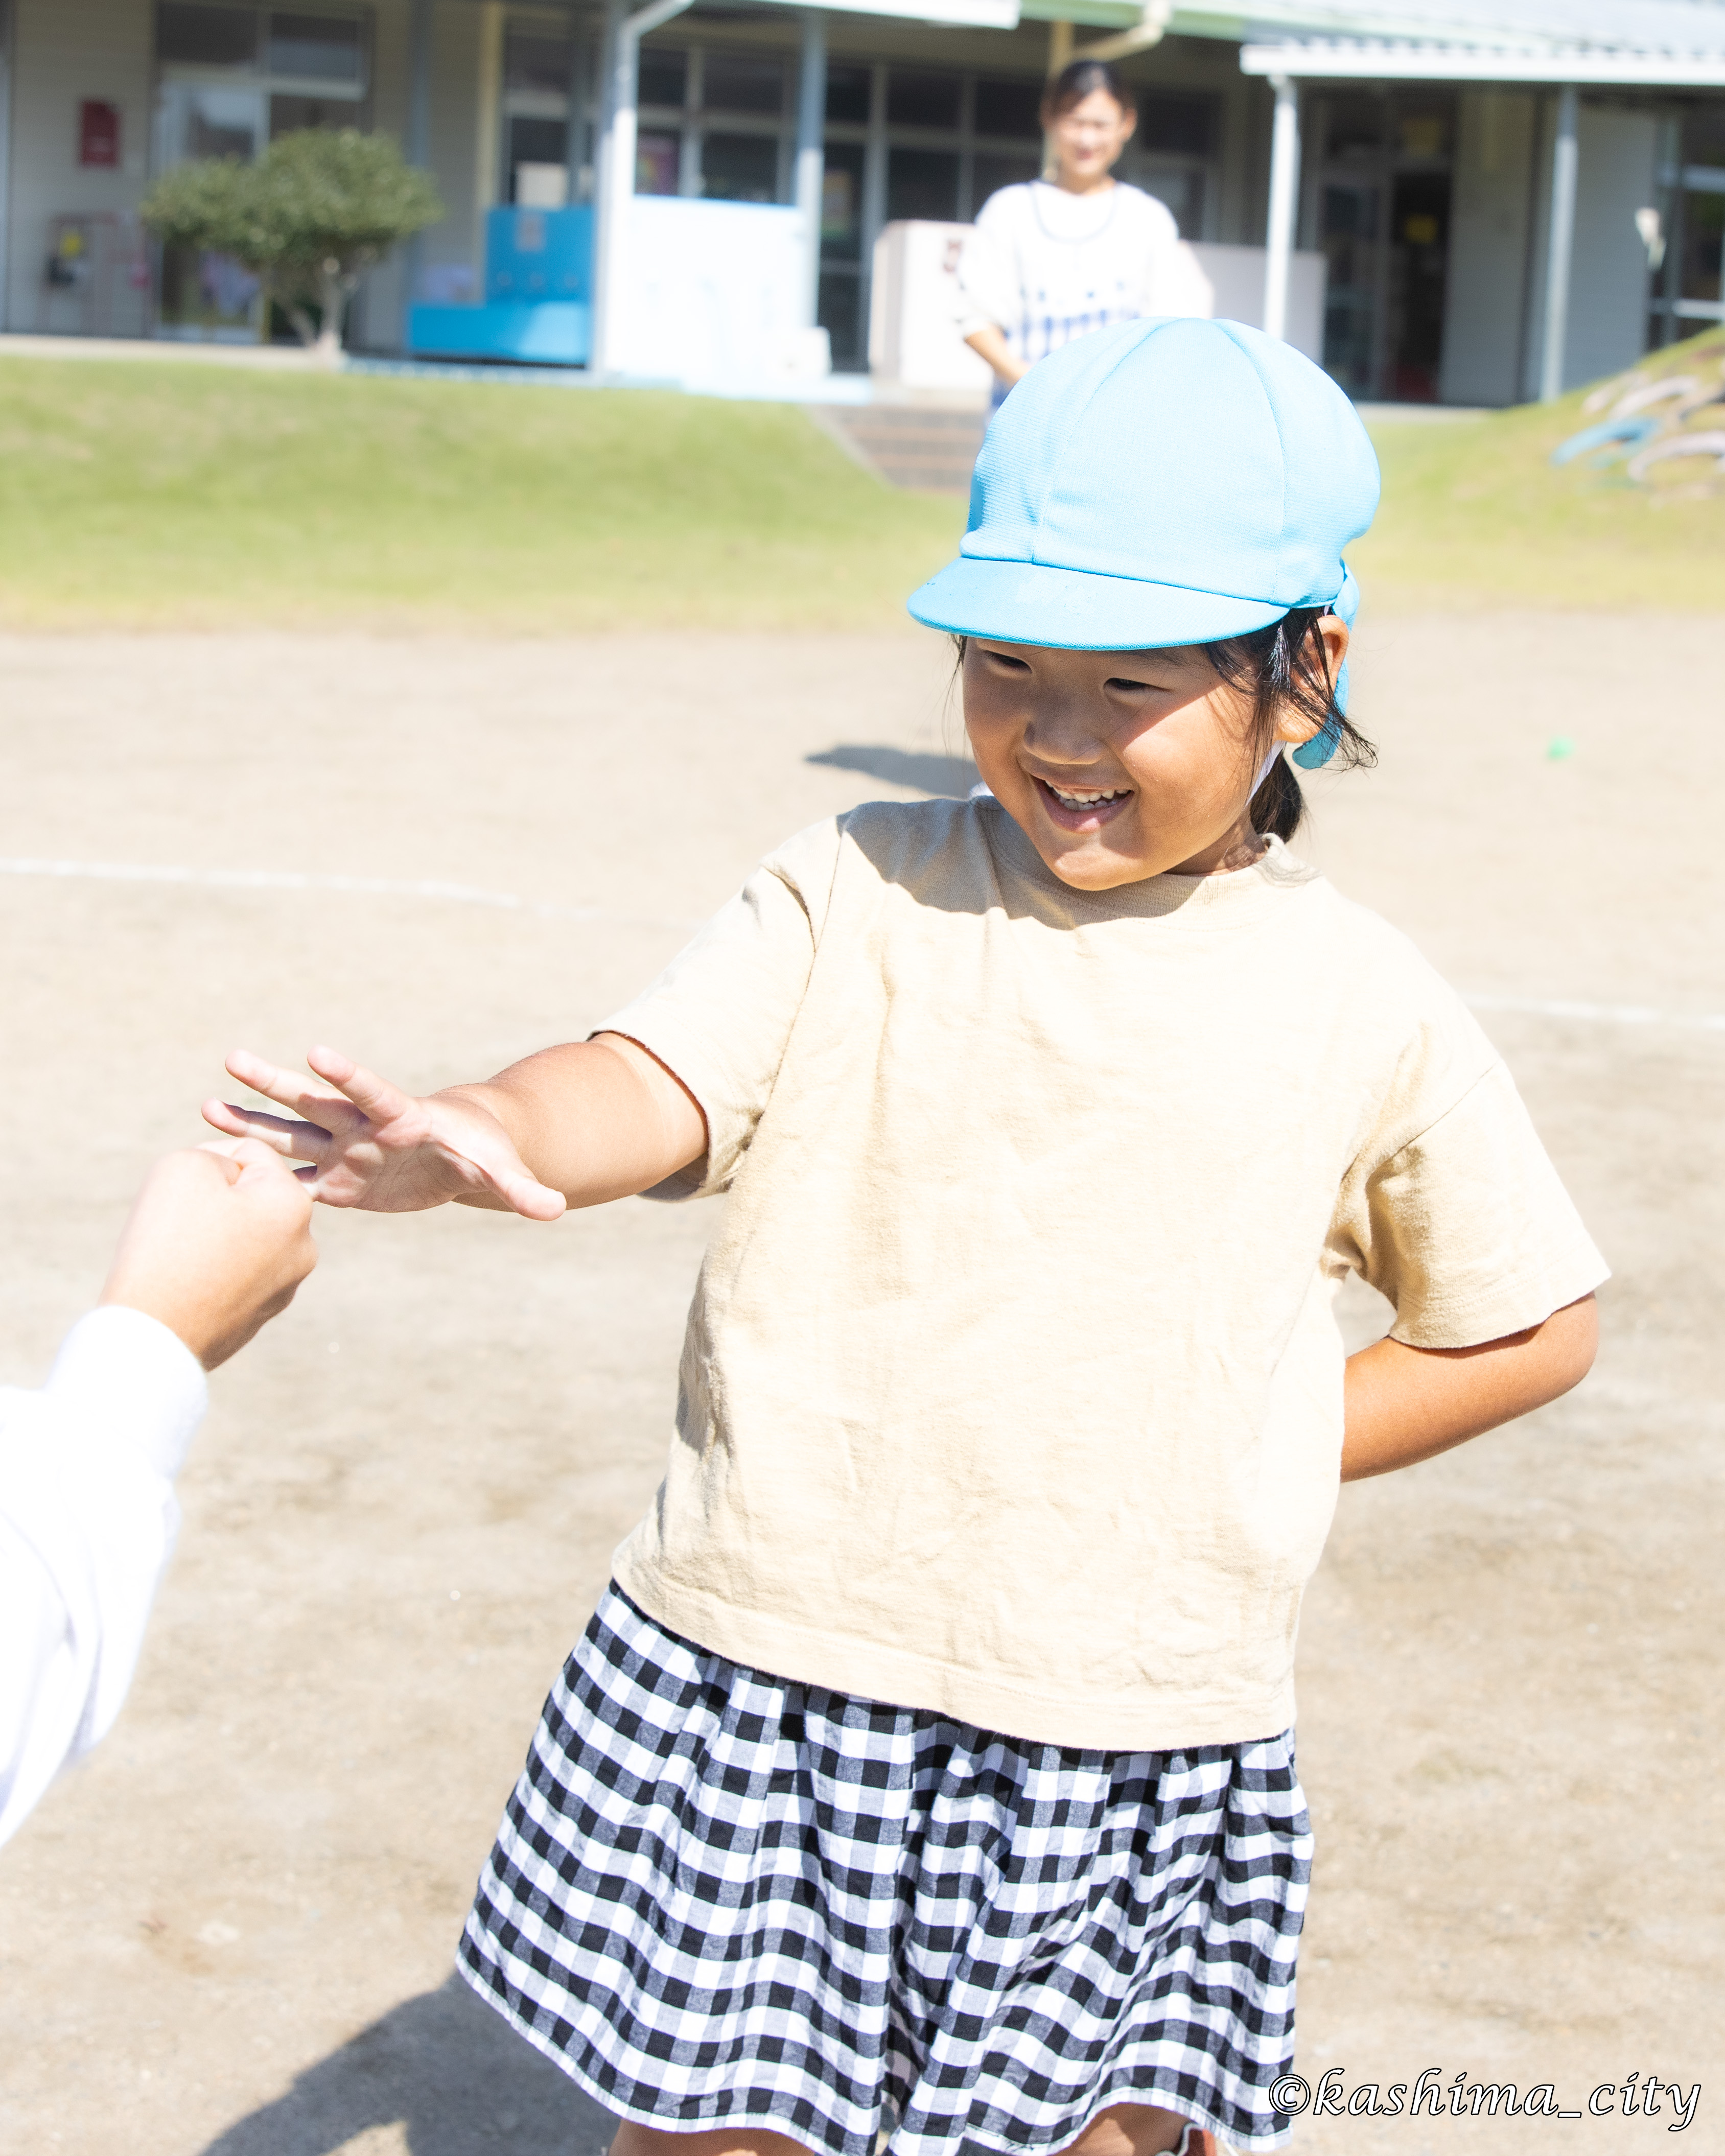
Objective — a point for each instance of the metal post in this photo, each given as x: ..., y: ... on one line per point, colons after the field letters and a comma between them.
x: 1559, y: 247
x: 811, y: 150
x: 1283, y: 198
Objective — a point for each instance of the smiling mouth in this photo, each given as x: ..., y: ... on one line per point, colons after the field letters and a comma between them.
x: 1081, y: 805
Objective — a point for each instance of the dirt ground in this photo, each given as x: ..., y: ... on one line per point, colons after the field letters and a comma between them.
x: 231, y: 1934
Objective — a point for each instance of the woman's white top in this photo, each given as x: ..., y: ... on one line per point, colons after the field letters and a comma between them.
x: 87, y: 1521
x: 1045, y: 266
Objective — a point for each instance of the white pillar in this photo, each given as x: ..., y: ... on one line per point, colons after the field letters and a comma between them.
x: 1559, y: 247
x: 811, y: 150
x: 1284, y: 202
x: 614, y: 167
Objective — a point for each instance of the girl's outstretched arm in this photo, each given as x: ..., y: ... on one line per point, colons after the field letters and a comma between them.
x: 573, y: 1126
x: 1407, y: 1404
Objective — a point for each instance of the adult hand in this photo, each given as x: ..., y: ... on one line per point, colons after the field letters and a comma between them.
x: 218, y: 1240
x: 370, y: 1145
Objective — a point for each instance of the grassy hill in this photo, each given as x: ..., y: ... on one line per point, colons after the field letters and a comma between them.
x: 152, y: 493
x: 160, y: 493
x: 1473, y: 513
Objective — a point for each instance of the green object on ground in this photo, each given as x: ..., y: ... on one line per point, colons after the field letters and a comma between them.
x: 1560, y: 750
x: 161, y: 493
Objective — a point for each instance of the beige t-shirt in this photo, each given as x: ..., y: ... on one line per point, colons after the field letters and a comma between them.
x: 1012, y: 1388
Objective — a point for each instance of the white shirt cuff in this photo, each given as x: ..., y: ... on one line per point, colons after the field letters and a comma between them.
x: 118, y: 1371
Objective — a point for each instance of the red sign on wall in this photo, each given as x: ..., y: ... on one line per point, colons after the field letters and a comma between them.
x: 99, y: 133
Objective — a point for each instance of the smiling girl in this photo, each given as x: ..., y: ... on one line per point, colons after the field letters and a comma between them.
x: 928, y: 1769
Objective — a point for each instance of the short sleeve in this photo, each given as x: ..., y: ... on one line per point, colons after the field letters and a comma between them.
x: 987, y: 280
x: 1464, y: 1227
x: 720, y: 1014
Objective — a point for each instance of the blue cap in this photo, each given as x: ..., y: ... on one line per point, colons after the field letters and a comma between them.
x: 1160, y: 482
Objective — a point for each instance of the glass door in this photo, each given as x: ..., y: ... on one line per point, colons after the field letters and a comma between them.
x: 205, y: 294
x: 1378, y: 209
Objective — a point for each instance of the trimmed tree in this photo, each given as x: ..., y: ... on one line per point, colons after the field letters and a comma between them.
x: 307, y: 220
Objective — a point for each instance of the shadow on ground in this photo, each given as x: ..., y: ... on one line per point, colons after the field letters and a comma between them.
x: 900, y: 767
x: 448, y: 2069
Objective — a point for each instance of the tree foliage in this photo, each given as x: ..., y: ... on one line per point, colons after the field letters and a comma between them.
x: 314, y: 212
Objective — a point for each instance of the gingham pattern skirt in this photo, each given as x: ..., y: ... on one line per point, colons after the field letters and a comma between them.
x: 719, y: 1896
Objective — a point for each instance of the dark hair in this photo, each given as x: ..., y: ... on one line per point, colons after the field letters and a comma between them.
x: 1077, y: 80
x: 1286, y: 663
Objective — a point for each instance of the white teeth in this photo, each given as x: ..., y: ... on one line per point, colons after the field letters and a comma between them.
x: 1083, y: 800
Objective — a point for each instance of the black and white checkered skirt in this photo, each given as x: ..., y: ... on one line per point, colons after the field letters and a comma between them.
x: 718, y: 1896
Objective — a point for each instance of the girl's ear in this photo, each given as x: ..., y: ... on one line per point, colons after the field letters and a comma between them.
x: 1319, y: 661
x: 1336, y: 637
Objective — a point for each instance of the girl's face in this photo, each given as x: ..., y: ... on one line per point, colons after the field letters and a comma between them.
x: 1120, y: 765
x: 1089, y: 136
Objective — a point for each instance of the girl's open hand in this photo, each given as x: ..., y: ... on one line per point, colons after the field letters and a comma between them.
x: 370, y: 1145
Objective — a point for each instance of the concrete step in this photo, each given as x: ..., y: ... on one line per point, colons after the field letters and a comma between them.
x: 907, y: 445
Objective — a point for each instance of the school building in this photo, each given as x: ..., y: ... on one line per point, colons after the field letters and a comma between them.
x: 1466, y: 201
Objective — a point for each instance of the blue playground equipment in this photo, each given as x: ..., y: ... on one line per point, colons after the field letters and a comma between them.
x: 538, y: 304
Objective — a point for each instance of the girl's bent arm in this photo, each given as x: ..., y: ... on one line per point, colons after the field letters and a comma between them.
x: 596, y: 1119
x: 1405, y: 1404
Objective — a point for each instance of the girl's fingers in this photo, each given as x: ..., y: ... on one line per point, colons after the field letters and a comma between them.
x: 292, y: 1141
x: 375, y: 1097
x: 532, y: 1200
x: 286, y: 1088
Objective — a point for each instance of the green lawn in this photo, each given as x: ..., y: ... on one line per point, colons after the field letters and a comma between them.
x: 147, y: 493
x: 139, y: 492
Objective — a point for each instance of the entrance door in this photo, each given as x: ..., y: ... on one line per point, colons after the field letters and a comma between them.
x: 1379, y: 209
x: 205, y: 294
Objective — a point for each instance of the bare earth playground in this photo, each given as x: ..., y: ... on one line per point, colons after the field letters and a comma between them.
x: 233, y: 1931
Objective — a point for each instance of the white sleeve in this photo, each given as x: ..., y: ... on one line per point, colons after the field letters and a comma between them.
x: 1175, y: 281
x: 988, y: 278
x: 87, y: 1521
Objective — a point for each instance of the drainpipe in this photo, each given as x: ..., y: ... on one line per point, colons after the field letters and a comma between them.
x: 1559, y: 248
x: 615, y: 168
x: 811, y: 152
x: 1284, y: 198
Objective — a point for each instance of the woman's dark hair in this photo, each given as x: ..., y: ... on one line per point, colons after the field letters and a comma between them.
x: 1076, y: 80
x: 1286, y: 663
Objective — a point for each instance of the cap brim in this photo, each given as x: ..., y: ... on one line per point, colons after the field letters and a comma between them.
x: 1075, y: 610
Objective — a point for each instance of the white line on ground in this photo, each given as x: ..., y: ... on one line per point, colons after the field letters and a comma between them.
x: 454, y: 893
x: 459, y: 893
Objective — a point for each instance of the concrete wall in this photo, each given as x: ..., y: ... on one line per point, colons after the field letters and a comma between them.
x: 1609, y: 284
x: 1491, y: 214
x: 64, y: 51
x: 375, y: 320
x: 459, y: 31
x: 1607, y: 321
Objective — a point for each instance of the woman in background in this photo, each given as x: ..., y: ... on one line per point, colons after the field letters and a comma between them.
x: 1052, y: 259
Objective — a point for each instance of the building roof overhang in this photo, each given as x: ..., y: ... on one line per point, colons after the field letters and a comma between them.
x: 1379, y: 60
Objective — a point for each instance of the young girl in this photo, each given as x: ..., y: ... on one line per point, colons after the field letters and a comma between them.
x: 928, y: 1769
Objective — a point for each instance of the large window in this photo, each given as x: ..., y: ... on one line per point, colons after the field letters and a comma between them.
x: 1689, y: 287
x: 716, y: 124
x: 910, y: 142
x: 230, y: 78
x: 542, y: 76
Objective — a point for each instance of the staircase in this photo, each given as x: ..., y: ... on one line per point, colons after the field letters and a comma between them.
x: 928, y: 447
